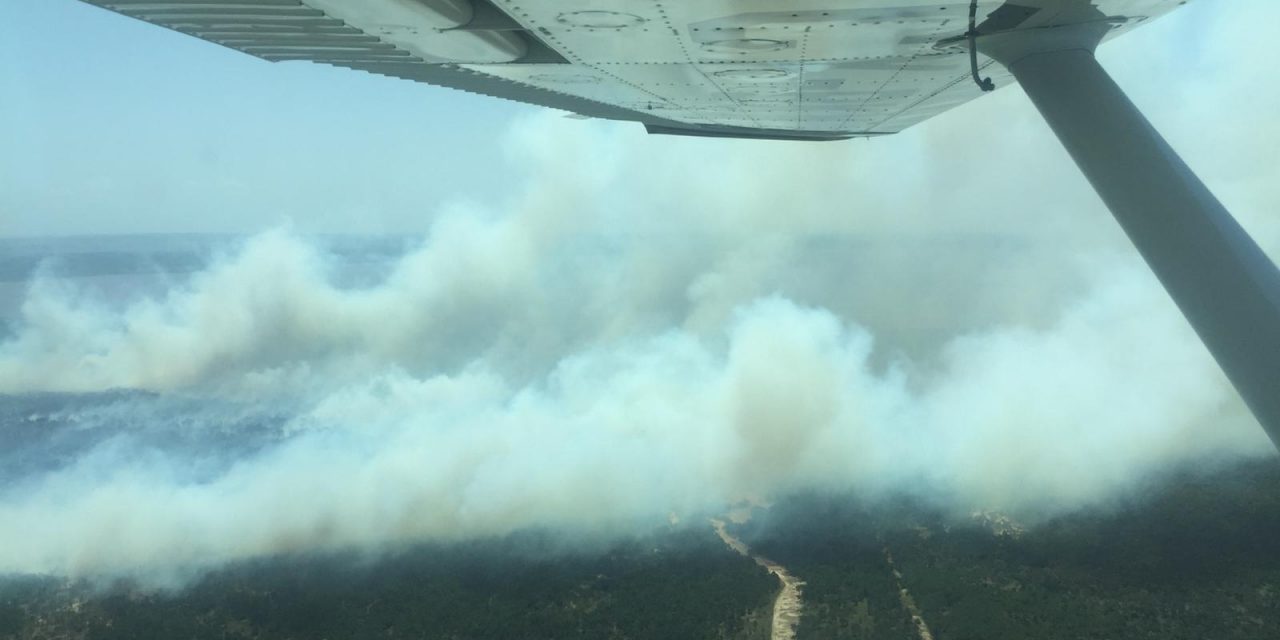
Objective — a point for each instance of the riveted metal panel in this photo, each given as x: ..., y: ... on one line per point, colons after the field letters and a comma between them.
x: 813, y: 69
x: 841, y: 66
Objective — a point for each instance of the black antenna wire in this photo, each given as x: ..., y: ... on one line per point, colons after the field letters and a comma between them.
x: 983, y: 83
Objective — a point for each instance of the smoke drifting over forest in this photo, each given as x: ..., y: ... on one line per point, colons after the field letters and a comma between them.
x: 648, y: 327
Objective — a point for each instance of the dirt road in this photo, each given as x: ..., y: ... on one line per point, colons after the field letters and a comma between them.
x: 908, y: 603
x: 787, y: 606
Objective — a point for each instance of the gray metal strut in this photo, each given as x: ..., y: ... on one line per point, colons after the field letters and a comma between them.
x: 1228, y: 289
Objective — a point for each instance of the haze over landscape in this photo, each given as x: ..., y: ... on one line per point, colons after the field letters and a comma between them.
x: 574, y: 328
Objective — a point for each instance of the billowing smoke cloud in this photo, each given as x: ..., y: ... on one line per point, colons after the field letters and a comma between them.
x: 648, y: 327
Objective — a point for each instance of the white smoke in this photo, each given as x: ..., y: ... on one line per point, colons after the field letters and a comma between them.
x: 621, y: 436
x: 650, y: 327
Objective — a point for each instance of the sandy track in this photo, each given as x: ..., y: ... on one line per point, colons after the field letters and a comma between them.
x: 787, y: 606
x: 908, y: 602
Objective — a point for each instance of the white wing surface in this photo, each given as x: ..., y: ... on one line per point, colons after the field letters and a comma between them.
x: 801, y: 69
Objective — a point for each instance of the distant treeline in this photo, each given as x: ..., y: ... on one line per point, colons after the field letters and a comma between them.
x: 682, y: 584
x: 170, y: 254
x: 1197, y: 557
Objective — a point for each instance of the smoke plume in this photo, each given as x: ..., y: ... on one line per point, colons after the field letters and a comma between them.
x: 646, y: 328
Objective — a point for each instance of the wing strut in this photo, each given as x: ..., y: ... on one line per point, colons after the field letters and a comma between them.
x: 1222, y: 281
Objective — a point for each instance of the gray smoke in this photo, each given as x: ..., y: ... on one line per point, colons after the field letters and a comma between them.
x: 649, y: 327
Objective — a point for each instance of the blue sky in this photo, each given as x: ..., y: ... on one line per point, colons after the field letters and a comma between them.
x: 115, y: 126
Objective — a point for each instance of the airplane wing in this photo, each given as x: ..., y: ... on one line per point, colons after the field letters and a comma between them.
x: 779, y: 69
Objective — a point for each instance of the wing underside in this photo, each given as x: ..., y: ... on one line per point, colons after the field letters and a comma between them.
x: 793, y: 69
